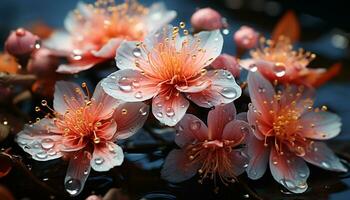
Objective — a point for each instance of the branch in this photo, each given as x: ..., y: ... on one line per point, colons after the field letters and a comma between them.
x: 21, y: 79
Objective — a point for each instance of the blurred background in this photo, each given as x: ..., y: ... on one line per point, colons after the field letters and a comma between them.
x: 325, y: 30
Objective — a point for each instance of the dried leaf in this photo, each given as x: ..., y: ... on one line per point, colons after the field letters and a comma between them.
x: 288, y: 26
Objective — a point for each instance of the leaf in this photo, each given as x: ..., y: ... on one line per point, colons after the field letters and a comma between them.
x: 287, y: 26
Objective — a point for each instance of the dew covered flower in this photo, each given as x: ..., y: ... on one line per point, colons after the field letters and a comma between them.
x: 83, y: 129
x: 167, y: 67
x: 276, y: 60
x: 288, y: 132
x: 214, y: 151
x: 95, y: 31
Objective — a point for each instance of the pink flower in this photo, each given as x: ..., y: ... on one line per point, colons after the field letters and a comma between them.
x: 211, y: 151
x: 96, y: 31
x: 278, y: 61
x: 246, y: 37
x: 227, y: 62
x: 206, y: 19
x: 166, y: 67
x: 84, y: 129
x: 288, y: 133
x: 21, y: 42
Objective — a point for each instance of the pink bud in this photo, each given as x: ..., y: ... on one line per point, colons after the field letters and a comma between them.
x: 246, y: 37
x: 93, y: 197
x: 21, y: 42
x: 227, y: 62
x: 43, y: 63
x: 206, y: 19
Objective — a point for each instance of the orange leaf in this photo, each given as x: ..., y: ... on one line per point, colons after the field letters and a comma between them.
x: 287, y: 26
x: 333, y: 71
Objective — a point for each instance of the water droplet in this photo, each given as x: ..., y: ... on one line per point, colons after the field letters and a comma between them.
x: 261, y: 89
x: 279, y: 69
x: 72, y: 186
x: 195, y: 125
x: 253, y: 67
x: 143, y: 110
x: 99, y: 161
x: 325, y: 164
x: 77, y: 54
x: 51, y: 152
x: 136, y: 84
x: 159, y: 114
x: 124, y: 84
x: 37, y: 44
x: 170, y: 112
x: 246, y: 196
x: 41, y: 155
x: 302, y: 174
x: 244, y: 130
x: 86, y: 172
x: 47, y: 143
x: 181, y: 128
x: 138, y: 95
x: 225, y: 31
x: 300, y: 151
x: 229, y: 76
x: 229, y: 93
x: 245, y: 165
x: 274, y: 160
x: 45, y: 179
x: 136, y: 52
x: 288, y: 184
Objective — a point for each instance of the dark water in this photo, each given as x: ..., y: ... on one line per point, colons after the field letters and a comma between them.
x: 138, y: 177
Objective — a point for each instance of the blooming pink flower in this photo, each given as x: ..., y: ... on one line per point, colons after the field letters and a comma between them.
x: 246, y: 37
x: 227, y: 62
x: 166, y: 67
x: 287, y: 133
x: 206, y: 19
x: 211, y: 151
x: 278, y: 61
x: 96, y: 31
x: 83, y: 129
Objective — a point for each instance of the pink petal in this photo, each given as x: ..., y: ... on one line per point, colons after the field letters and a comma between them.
x: 218, y: 118
x: 68, y: 90
x: 256, y: 120
x: 130, y: 86
x: 289, y: 170
x: 73, y: 68
x: 259, y: 156
x: 177, y: 167
x: 320, y: 125
x: 102, y: 104
x: 125, y: 58
x: 158, y: 16
x: 261, y: 94
x: 108, y: 50
x: 107, y: 130
x: 227, y: 62
x: 212, y: 42
x: 321, y: 155
x: 106, y: 156
x: 223, y: 90
x: 130, y: 117
x: 169, y: 111
x: 190, y: 129
x: 73, y: 143
x: 242, y: 116
x: 239, y: 162
x: 197, y: 85
x: 237, y: 131
x: 41, y: 140
x: 77, y: 172
x: 60, y: 42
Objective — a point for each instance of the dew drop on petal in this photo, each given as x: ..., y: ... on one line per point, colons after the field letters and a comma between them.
x: 124, y: 84
x: 86, y: 172
x: 72, y: 186
x: 41, y: 155
x: 261, y: 89
x: 253, y: 67
x: 229, y: 93
x: 325, y: 164
x: 159, y: 114
x: 170, y: 112
x: 288, y: 184
x: 138, y: 95
x: 77, y: 54
x: 136, y: 52
x: 99, y: 161
x: 51, y: 152
x: 279, y: 69
x: 195, y: 125
x: 274, y: 160
x: 143, y: 110
x: 47, y: 143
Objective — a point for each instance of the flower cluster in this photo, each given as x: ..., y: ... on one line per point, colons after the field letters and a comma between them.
x: 171, y: 72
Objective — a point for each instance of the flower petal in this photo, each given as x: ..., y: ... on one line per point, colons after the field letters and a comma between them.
x: 212, y: 42
x: 236, y: 131
x: 177, y: 167
x: 218, y: 118
x: 77, y: 172
x: 169, y: 111
x: 259, y: 157
x: 60, y: 41
x: 130, y: 86
x: 261, y: 94
x: 158, y: 16
x: 190, y: 129
x: 102, y: 104
x: 68, y: 95
x: 130, y: 117
x: 320, y: 125
x: 227, y: 62
x: 256, y: 120
x: 223, y: 90
x: 41, y: 140
x: 73, y: 68
x: 107, y: 130
x: 108, y: 50
x: 321, y: 155
x: 239, y: 162
x: 125, y: 57
x: 106, y: 156
x: 289, y: 170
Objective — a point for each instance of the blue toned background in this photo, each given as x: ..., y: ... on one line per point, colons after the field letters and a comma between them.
x: 325, y: 31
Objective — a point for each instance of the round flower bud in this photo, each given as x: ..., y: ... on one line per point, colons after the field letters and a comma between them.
x: 43, y: 63
x: 21, y: 42
x: 246, y: 37
x: 206, y: 19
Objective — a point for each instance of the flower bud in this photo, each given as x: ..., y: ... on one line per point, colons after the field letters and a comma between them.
x: 21, y: 42
x: 43, y: 63
x: 227, y: 62
x: 206, y: 19
x: 246, y: 37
